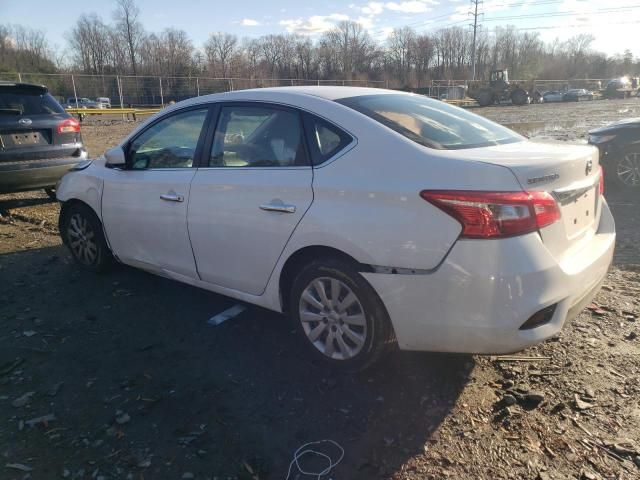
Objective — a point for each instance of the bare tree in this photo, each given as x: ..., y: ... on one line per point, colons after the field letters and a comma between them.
x: 127, y: 24
x: 220, y: 48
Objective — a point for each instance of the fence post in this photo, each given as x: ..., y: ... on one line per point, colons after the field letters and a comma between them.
x: 119, y: 85
x: 198, y: 86
x: 19, y: 77
x: 161, y: 93
x: 75, y: 94
x: 231, y: 84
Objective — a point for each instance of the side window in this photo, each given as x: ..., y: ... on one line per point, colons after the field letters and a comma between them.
x: 170, y: 143
x: 258, y: 136
x: 325, y: 139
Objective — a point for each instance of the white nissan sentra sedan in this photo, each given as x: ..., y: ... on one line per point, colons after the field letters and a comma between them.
x: 370, y: 217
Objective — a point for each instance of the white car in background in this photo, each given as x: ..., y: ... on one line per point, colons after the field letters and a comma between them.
x: 372, y: 218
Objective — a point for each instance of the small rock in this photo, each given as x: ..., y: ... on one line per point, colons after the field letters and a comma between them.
x: 631, y: 336
x: 508, y: 400
x: 507, y: 384
x: 23, y: 400
x: 590, y: 392
x: 19, y: 466
x: 122, y: 418
x: 582, y: 405
x: 66, y: 473
x: 637, y: 461
x: 55, y: 389
x: 587, y: 475
x: 532, y: 399
x: 50, y: 417
x: 188, y: 475
x: 29, y: 333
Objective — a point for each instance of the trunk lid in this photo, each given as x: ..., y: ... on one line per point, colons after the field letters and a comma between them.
x: 570, y: 173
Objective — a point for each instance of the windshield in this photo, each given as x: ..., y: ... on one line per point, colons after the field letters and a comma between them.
x: 430, y: 122
x: 27, y: 103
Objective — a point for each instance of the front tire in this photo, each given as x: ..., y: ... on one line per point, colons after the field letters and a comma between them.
x: 82, y: 233
x: 339, y: 316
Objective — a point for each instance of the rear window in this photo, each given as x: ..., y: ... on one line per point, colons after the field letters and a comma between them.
x: 18, y: 102
x: 430, y: 122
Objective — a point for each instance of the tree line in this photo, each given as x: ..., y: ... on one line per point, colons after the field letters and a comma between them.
x: 405, y: 58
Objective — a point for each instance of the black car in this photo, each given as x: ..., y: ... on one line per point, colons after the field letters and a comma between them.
x: 619, y: 145
x: 39, y: 141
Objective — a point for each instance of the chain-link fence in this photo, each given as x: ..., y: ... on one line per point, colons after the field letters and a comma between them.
x: 152, y: 91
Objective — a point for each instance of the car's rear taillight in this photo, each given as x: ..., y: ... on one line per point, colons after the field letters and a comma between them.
x: 601, y: 181
x: 496, y: 214
x: 70, y: 125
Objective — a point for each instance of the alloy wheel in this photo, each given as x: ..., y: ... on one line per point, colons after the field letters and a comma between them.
x: 82, y: 239
x: 628, y: 169
x: 333, y: 318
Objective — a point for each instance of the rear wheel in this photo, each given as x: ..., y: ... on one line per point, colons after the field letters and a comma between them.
x: 82, y: 233
x: 339, y: 316
x: 627, y: 169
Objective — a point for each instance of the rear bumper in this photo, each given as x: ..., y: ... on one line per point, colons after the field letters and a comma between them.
x: 35, y: 174
x: 485, y: 290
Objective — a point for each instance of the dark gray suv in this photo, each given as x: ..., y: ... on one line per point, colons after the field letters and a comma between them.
x: 39, y: 141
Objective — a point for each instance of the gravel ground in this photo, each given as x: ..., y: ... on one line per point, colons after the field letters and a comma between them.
x: 119, y: 376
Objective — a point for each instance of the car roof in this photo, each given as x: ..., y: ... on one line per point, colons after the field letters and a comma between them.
x: 24, y: 86
x: 326, y: 92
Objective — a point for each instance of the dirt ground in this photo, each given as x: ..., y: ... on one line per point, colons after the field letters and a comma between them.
x: 120, y: 376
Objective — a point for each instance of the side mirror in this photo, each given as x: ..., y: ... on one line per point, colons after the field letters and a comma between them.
x: 115, y: 158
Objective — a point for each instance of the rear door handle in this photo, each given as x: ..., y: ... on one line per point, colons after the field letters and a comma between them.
x: 278, y: 207
x: 172, y: 197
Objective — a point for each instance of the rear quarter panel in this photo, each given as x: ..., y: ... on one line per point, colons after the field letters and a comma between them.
x: 367, y: 202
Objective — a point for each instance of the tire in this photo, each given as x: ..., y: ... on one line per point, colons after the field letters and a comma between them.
x: 348, y: 346
x: 51, y: 193
x: 485, y: 98
x: 82, y: 233
x: 519, y: 97
x: 625, y: 173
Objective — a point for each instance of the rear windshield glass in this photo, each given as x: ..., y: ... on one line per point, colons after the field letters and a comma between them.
x: 27, y: 103
x: 431, y: 123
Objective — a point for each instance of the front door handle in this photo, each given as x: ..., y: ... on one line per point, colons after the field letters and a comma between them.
x: 278, y: 207
x: 172, y: 197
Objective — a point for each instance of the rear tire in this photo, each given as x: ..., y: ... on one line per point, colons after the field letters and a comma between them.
x: 82, y: 233
x: 625, y: 173
x: 339, y: 316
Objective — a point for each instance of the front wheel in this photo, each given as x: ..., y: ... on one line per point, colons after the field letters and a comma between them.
x: 339, y: 316
x: 82, y: 233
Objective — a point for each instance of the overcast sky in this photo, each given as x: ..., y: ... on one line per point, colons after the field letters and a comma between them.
x: 615, y: 25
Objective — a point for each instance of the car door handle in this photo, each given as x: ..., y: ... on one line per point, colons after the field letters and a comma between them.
x: 172, y: 197
x: 278, y: 207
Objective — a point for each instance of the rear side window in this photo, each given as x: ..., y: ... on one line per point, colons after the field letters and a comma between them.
x: 16, y: 102
x: 325, y: 139
x: 430, y: 122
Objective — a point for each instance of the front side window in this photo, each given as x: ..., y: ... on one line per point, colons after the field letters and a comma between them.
x: 248, y: 136
x: 430, y: 122
x: 170, y: 143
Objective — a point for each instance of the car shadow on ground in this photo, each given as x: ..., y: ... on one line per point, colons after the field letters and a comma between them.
x: 149, y: 387
x: 7, y: 204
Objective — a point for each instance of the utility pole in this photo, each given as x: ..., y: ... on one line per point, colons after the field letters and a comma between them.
x: 475, y: 14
